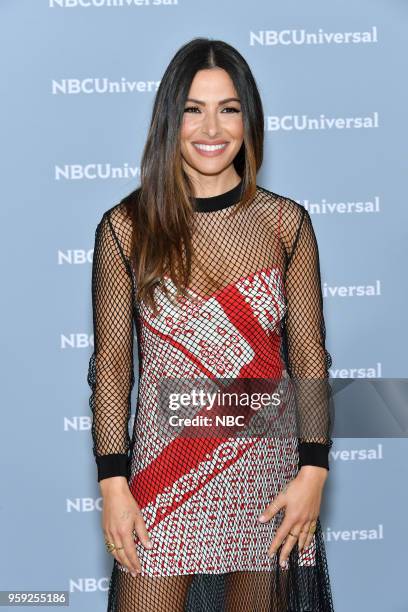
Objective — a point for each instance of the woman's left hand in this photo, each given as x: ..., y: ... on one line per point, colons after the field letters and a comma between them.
x: 301, y: 499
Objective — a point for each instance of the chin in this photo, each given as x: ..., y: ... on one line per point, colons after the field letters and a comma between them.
x: 209, y: 171
x: 209, y: 166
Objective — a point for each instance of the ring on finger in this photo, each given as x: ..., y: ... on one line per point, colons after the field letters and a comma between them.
x: 109, y: 545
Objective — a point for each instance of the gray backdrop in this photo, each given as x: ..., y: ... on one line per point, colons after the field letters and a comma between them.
x: 78, y: 82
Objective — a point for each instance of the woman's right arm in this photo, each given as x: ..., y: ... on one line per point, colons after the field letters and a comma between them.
x: 110, y: 372
x: 111, y: 378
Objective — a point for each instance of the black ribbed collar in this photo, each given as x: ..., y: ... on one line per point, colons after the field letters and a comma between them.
x: 218, y: 202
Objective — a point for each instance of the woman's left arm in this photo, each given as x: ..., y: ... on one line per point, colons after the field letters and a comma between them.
x: 308, y: 362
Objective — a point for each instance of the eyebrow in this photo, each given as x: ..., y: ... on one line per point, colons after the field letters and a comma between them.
x: 220, y: 102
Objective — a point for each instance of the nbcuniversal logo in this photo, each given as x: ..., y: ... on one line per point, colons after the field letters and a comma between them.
x: 95, y: 170
x: 101, y: 85
x: 301, y: 37
x: 320, y: 122
x: 70, y: 4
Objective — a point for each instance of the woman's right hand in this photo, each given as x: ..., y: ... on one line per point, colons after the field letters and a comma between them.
x: 120, y: 516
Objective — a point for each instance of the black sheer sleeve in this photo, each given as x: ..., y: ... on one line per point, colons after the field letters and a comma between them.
x: 110, y: 374
x: 308, y: 360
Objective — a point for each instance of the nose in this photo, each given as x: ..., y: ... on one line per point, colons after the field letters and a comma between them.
x: 210, y: 124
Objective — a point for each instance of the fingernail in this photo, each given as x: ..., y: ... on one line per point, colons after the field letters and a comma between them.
x: 262, y: 518
x: 149, y: 544
x: 133, y: 574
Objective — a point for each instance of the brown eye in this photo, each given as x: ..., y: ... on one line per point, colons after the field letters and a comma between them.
x: 191, y: 108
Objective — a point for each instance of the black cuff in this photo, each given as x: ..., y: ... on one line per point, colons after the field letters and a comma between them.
x: 314, y: 453
x: 112, y: 465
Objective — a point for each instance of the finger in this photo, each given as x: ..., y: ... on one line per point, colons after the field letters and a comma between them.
x: 109, y: 538
x: 129, y: 542
x: 129, y: 550
x: 134, y: 568
x: 310, y: 534
x: 280, y: 535
x: 141, y: 531
x: 119, y: 552
x: 289, y: 543
x: 273, y: 508
x: 303, y: 535
x: 123, y: 554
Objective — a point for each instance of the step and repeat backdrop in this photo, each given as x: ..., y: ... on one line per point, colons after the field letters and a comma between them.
x: 78, y: 83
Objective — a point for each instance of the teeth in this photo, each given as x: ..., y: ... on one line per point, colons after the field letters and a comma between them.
x: 205, y: 147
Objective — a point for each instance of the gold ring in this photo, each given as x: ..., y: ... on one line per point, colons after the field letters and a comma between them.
x: 109, y: 546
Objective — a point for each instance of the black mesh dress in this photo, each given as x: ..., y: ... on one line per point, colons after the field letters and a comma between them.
x: 254, y: 311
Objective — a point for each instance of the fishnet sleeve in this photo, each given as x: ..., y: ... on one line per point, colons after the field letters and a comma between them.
x: 308, y: 360
x: 110, y: 373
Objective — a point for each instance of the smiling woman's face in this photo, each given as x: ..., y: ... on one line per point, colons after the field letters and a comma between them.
x: 212, y: 131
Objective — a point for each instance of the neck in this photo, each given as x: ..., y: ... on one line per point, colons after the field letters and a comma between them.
x: 219, y: 201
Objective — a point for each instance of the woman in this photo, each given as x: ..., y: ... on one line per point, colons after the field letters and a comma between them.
x: 221, y: 278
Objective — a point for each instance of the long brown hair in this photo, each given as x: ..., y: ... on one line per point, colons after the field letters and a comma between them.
x: 161, y: 208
